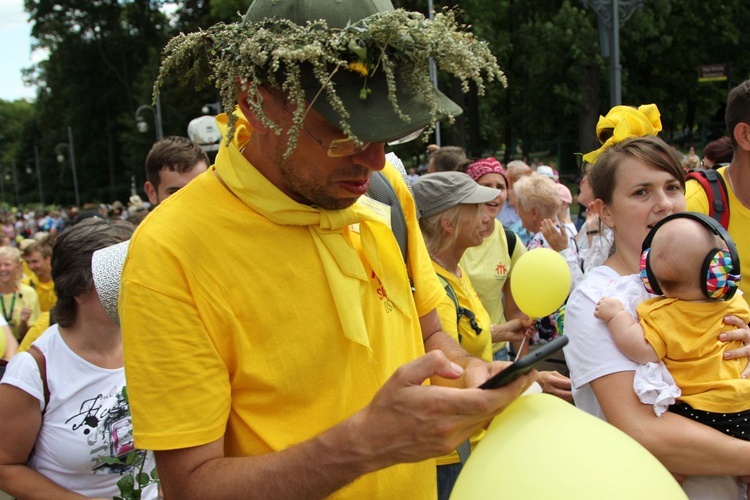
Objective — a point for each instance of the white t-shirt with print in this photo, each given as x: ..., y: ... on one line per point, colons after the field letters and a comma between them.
x: 87, y: 418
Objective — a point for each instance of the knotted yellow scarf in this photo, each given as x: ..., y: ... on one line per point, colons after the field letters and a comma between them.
x: 625, y: 122
x: 329, y: 229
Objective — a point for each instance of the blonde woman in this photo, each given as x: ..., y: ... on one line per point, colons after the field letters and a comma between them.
x: 452, y: 219
x: 19, y: 303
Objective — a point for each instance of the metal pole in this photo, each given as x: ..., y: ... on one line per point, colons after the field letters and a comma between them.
x: 72, y: 155
x: 433, y: 74
x: 159, y: 129
x: 616, y: 92
x: 38, y: 174
x: 15, y: 182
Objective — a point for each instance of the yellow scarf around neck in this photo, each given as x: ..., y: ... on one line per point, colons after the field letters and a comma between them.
x: 329, y: 229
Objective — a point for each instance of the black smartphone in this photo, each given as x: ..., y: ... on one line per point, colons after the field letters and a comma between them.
x: 525, y: 364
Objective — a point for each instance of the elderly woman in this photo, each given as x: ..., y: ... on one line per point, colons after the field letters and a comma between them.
x: 452, y: 219
x: 537, y: 202
x: 66, y: 420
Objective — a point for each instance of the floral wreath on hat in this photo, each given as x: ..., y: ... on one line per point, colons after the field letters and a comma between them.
x: 397, y: 43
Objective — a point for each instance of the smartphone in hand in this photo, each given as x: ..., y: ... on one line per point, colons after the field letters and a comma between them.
x: 525, y: 364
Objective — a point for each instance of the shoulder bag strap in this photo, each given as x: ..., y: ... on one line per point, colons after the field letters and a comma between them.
x: 41, y: 362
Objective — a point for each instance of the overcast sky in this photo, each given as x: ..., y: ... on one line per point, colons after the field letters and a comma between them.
x: 15, y: 41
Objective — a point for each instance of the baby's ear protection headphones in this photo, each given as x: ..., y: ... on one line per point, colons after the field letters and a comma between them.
x: 720, y: 272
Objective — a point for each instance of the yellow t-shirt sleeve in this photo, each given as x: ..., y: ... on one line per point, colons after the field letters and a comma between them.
x: 184, y: 402
x: 35, y: 331
x: 428, y: 292
x: 448, y: 316
x: 649, y: 318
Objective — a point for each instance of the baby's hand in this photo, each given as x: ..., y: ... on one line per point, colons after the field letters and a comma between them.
x: 607, y: 308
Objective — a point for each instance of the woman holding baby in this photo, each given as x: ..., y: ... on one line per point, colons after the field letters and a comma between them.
x: 637, y: 182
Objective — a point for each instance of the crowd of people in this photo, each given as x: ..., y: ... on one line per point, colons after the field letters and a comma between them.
x: 302, y: 334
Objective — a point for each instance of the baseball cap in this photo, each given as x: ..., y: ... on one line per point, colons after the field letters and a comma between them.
x: 437, y: 192
x: 546, y: 171
x: 565, y: 195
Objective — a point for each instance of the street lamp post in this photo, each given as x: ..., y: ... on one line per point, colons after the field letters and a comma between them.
x: 141, y: 124
x: 15, y: 181
x: 612, y: 15
x: 38, y: 172
x: 72, y: 157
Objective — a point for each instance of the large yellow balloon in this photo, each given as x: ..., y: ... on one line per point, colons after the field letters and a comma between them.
x: 540, y: 282
x: 541, y: 447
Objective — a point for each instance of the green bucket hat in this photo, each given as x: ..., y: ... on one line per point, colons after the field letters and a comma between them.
x: 361, y: 64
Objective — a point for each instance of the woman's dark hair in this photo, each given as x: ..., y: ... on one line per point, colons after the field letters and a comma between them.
x: 649, y: 149
x: 71, y: 261
x: 719, y: 151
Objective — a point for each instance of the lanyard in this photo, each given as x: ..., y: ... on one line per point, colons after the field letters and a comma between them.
x: 8, y: 318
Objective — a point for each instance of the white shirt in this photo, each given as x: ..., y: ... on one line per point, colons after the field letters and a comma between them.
x: 87, y: 418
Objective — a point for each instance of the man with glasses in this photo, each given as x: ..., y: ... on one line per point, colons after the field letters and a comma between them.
x: 274, y: 345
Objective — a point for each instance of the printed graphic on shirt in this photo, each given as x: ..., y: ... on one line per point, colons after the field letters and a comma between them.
x: 382, y: 295
x: 107, y: 426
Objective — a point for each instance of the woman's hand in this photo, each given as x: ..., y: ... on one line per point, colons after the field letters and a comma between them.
x: 592, y: 221
x: 556, y: 236
x: 514, y: 330
x: 742, y: 333
x: 554, y: 383
x: 25, y: 314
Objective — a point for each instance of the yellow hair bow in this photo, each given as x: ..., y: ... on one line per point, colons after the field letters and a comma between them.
x: 625, y: 122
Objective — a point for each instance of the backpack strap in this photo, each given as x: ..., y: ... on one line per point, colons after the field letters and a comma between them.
x: 41, y: 362
x: 716, y: 193
x: 382, y: 191
x: 511, y: 237
x: 452, y: 295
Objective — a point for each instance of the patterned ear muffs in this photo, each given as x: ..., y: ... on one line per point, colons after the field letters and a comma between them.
x: 720, y: 272
x: 721, y: 281
x: 646, y: 276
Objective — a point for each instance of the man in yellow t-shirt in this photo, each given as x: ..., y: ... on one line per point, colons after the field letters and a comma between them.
x: 38, y: 257
x: 290, y: 358
x: 736, y: 178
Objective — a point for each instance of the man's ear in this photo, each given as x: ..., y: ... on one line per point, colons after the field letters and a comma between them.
x: 742, y: 135
x: 603, y: 211
x: 151, y: 193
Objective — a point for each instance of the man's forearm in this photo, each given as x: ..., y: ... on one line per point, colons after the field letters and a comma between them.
x: 313, y: 469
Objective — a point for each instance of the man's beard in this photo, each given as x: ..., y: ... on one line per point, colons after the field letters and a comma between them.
x: 313, y: 195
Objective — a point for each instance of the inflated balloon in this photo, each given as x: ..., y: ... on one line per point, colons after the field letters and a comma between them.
x: 543, y: 447
x: 540, y: 282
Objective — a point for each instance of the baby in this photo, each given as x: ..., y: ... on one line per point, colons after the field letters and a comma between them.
x: 698, y: 275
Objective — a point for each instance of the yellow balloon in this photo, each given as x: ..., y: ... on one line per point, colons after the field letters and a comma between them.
x: 540, y: 282
x: 542, y: 447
